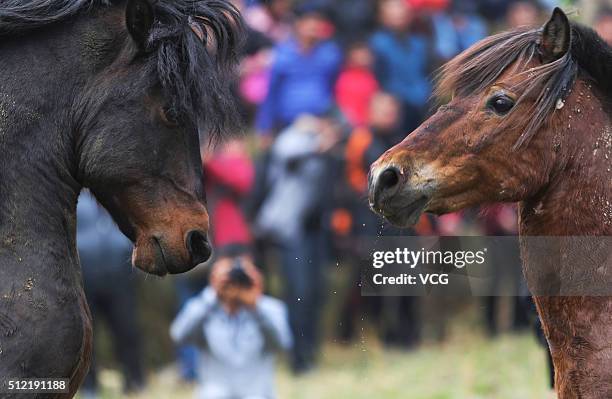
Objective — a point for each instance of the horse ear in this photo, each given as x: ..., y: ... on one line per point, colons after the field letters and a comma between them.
x: 139, y: 17
x: 556, y: 37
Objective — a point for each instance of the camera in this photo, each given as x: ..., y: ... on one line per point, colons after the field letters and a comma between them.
x: 238, y: 276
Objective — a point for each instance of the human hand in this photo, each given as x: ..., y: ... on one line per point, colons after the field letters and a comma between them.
x: 220, y: 281
x: 249, y: 296
x: 234, y: 295
x: 219, y: 275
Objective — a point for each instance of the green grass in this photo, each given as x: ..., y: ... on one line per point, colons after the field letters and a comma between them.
x: 466, y: 367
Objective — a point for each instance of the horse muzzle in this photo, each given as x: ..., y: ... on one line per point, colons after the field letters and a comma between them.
x: 158, y: 254
x: 394, y: 195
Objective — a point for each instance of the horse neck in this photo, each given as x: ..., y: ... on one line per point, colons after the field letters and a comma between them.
x: 38, y: 190
x: 577, y: 199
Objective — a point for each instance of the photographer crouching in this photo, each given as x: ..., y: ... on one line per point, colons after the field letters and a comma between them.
x: 238, y: 331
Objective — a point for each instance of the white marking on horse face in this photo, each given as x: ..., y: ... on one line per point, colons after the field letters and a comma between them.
x: 560, y: 104
x: 424, y: 174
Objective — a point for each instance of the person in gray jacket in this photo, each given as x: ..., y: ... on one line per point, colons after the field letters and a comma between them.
x: 238, y: 329
x: 110, y: 287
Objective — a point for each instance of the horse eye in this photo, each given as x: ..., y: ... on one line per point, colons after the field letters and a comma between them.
x: 501, y: 104
x: 169, y: 116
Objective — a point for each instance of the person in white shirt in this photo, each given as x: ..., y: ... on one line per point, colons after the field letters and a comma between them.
x: 239, y: 331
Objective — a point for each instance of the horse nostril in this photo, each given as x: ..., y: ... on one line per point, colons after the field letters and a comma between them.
x: 389, y: 178
x: 385, y: 186
x: 198, y: 246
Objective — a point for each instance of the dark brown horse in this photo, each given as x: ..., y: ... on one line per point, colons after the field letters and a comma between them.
x: 529, y: 121
x: 113, y: 96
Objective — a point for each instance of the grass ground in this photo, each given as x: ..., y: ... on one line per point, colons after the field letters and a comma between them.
x: 465, y: 367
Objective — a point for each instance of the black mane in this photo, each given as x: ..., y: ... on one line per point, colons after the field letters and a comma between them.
x: 196, y: 44
x: 22, y: 15
x: 594, y: 57
x: 482, y: 65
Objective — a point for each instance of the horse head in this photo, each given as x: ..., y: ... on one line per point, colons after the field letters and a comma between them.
x: 140, y: 118
x: 482, y: 146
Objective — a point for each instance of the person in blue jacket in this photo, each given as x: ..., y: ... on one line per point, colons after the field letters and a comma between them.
x: 405, y: 55
x: 303, y: 74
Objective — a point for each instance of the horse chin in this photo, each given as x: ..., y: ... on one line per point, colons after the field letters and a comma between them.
x: 148, y: 256
x: 162, y: 255
x: 407, y: 216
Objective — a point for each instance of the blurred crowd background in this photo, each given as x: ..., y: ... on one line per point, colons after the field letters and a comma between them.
x: 325, y: 87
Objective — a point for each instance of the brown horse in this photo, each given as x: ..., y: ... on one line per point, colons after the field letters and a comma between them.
x: 529, y: 121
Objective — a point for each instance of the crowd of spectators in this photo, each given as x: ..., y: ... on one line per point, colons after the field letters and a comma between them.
x: 325, y: 88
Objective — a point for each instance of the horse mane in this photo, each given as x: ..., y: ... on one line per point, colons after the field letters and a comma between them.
x: 482, y: 65
x: 197, y: 44
x: 22, y: 15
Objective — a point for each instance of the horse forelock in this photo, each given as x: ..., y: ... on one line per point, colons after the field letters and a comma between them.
x: 197, y: 44
x: 194, y: 44
x: 482, y: 65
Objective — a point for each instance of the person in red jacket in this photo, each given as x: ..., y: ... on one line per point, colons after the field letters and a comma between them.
x: 229, y: 175
x: 357, y: 84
